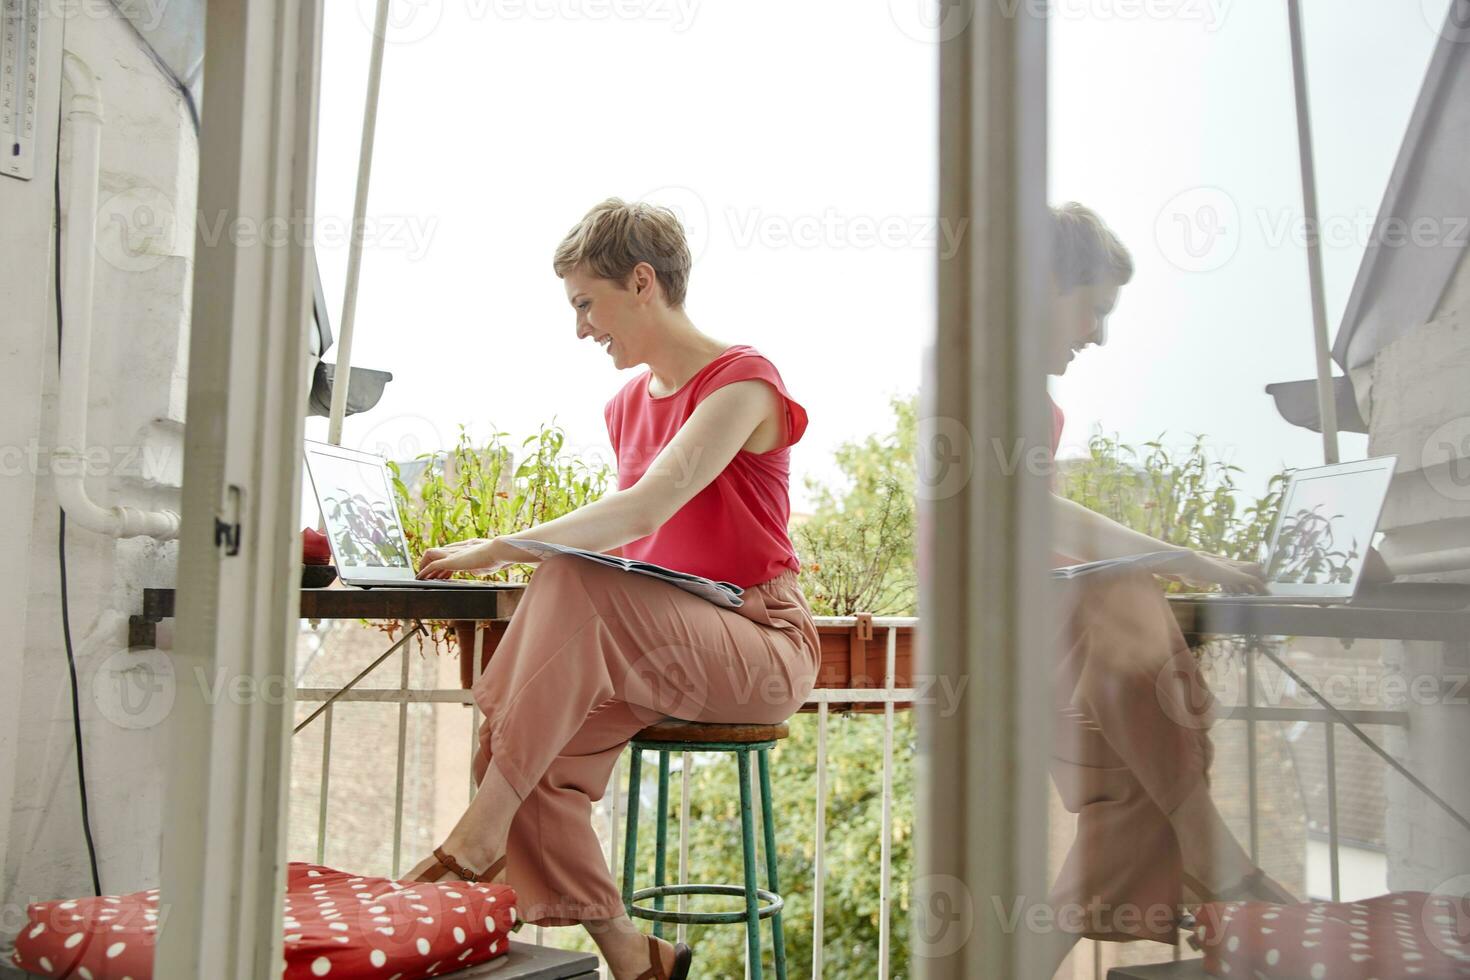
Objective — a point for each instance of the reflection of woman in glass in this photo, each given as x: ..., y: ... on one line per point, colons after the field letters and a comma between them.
x: 1131, y: 753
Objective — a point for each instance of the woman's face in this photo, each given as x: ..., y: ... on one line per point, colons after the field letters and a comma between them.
x: 1079, y: 318
x: 609, y: 314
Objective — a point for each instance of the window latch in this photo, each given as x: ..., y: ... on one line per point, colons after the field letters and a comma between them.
x: 227, y: 528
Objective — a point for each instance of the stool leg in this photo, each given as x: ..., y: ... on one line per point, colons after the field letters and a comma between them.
x: 769, y: 825
x: 630, y: 845
x: 661, y: 840
x: 747, y: 840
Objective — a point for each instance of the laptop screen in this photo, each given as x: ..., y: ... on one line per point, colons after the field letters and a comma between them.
x: 1327, y: 523
x: 358, y: 509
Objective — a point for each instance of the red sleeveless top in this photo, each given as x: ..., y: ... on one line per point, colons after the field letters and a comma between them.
x: 735, y: 529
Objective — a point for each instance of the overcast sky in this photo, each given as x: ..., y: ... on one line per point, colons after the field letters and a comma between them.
x: 798, y: 142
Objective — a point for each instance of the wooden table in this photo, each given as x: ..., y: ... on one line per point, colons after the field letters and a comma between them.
x: 338, y: 601
x: 1432, y: 612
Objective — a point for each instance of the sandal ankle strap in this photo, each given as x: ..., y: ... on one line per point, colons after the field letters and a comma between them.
x: 465, y: 873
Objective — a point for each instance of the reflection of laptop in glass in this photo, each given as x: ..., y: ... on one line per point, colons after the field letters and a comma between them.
x: 1320, y: 540
x: 355, y: 493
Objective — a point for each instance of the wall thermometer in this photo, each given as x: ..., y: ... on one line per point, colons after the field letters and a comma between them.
x: 20, y: 57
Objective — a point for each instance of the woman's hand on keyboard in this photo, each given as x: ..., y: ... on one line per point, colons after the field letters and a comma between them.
x: 460, y: 556
x: 1199, y: 569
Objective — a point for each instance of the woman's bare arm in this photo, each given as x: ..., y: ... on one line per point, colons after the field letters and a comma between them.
x: 699, y: 451
x: 1087, y: 535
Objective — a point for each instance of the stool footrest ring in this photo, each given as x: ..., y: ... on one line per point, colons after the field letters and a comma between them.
x: 771, y: 903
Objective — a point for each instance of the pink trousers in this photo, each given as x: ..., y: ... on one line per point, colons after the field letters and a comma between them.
x: 1130, y: 742
x: 591, y: 656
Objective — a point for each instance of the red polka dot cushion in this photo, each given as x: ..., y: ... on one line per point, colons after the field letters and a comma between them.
x: 335, y: 924
x: 1405, y: 934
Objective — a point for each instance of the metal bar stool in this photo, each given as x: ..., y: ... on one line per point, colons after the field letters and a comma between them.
x: 674, y: 735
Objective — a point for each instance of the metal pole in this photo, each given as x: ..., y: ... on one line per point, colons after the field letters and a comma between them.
x: 343, y: 370
x: 1326, y: 396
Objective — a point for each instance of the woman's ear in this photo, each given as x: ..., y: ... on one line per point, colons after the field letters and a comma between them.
x: 643, y: 280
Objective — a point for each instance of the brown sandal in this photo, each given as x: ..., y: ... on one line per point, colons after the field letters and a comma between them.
x: 449, y: 866
x: 683, y: 956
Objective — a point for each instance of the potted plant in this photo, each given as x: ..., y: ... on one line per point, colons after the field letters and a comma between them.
x: 859, y: 561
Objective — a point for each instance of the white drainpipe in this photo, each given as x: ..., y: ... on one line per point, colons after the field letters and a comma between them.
x: 69, y: 458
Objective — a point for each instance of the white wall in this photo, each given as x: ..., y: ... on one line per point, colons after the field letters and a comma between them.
x: 142, y: 282
x: 1419, y: 403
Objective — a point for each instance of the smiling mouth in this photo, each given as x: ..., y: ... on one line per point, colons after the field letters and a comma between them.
x: 604, y: 342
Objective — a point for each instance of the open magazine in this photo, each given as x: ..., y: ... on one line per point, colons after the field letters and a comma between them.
x: 1149, y: 561
x: 720, y: 593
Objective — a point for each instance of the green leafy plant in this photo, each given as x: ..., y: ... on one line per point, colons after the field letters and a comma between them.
x: 472, y: 491
x: 1188, y: 499
x: 857, y: 548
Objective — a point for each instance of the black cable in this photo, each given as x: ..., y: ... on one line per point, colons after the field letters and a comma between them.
x: 163, y: 67
x: 71, y: 660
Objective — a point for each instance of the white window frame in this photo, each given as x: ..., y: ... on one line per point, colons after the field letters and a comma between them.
x: 982, y: 845
x: 224, y: 821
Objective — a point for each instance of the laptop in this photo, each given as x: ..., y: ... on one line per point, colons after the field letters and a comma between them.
x: 1317, y: 547
x: 355, y: 493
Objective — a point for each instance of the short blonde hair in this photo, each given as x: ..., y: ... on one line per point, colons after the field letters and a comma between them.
x: 615, y: 236
x: 1084, y: 250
